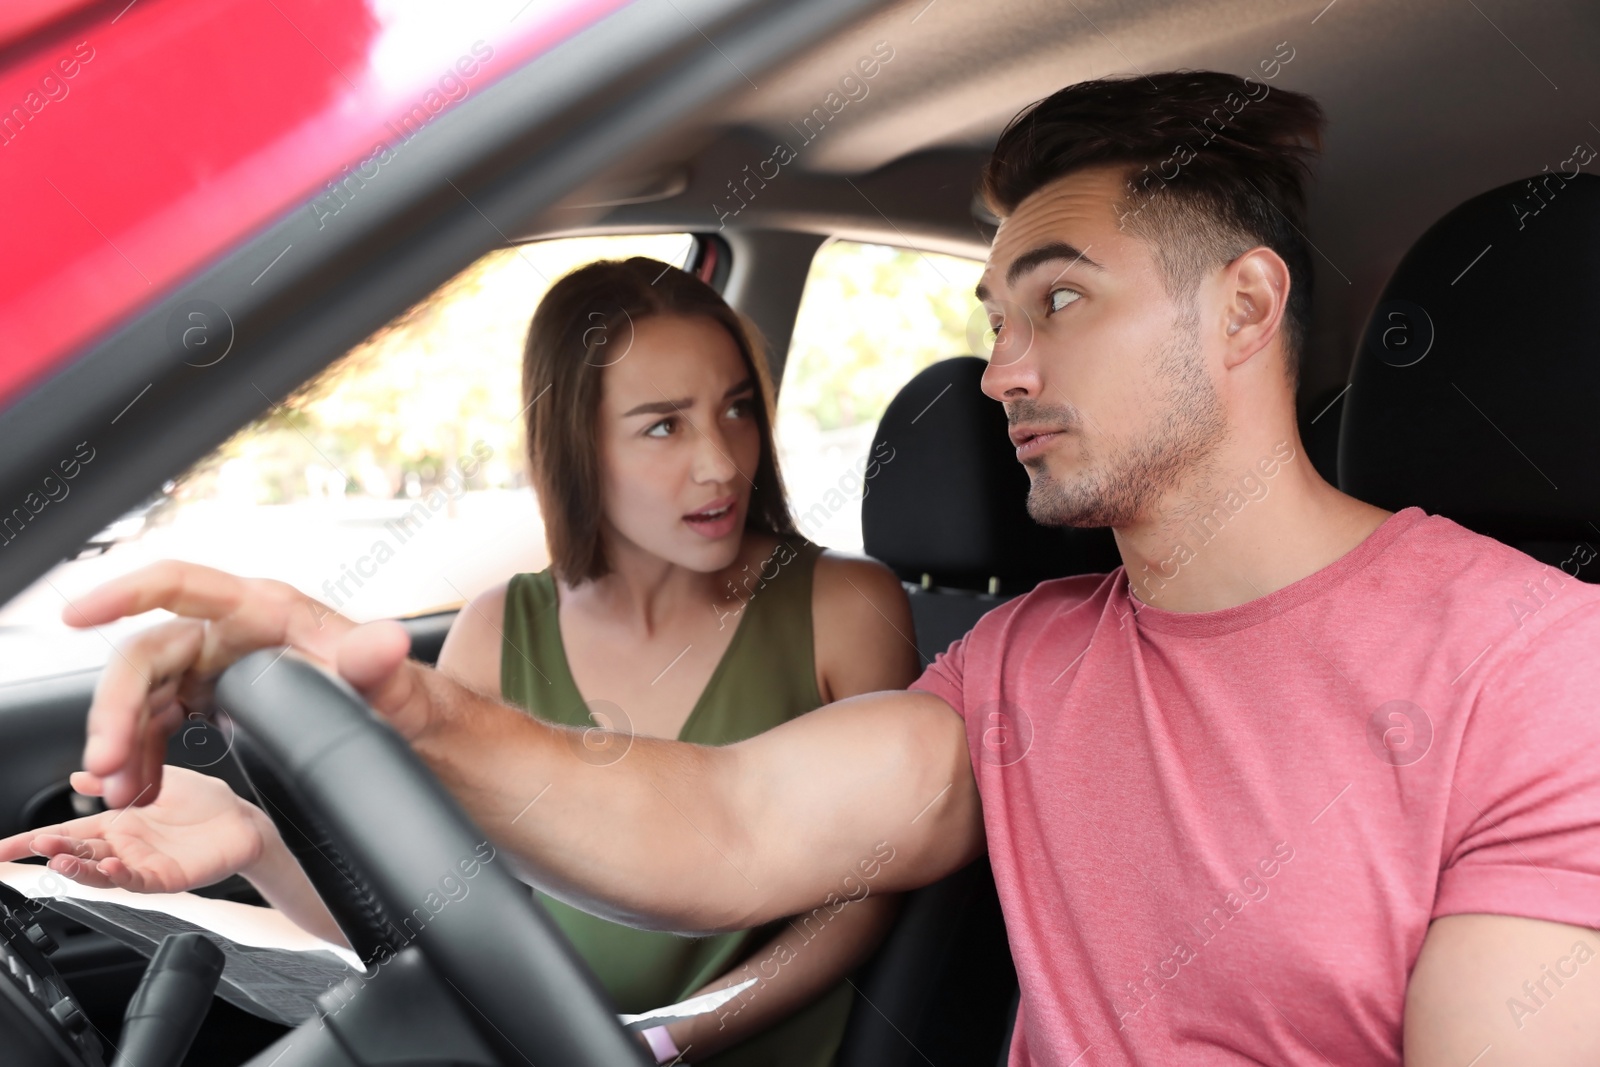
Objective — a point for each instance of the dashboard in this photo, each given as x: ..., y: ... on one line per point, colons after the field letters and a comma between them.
x: 41, y: 1023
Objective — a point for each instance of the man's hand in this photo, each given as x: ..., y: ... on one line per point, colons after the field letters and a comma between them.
x: 161, y: 673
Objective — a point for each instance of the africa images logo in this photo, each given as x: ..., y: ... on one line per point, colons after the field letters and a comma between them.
x: 1399, y: 733
x: 1005, y: 733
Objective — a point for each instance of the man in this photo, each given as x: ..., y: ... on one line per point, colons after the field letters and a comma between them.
x: 1283, y: 789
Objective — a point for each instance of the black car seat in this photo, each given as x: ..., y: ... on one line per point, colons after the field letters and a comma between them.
x: 945, y: 507
x: 1474, y: 391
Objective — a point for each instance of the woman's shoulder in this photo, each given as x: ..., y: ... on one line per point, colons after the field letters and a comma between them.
x: 865, y: 637
x: 838, y: 580
x: 842, y: 581
x: 471, y: 650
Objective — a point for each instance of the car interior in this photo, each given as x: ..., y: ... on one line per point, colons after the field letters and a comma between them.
x: 1451, y: 365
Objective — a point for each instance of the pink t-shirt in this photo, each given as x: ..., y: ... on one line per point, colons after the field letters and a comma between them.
x: 1219, y: 837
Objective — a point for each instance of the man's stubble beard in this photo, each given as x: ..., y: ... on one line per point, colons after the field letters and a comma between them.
x: 1127, y: 484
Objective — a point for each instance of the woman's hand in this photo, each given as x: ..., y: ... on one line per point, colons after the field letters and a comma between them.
x: 161, y: 673
x: 195, y: 833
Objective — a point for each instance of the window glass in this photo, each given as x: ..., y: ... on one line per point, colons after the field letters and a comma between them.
x: 392, y: 484
x: 870, y: 318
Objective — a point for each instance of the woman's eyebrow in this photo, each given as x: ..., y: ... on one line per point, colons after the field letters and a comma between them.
x: 669, y: 407
x: 660, y: 407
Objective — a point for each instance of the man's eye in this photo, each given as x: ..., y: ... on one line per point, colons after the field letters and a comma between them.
x: 1058, y: 299
x: 663, y: 428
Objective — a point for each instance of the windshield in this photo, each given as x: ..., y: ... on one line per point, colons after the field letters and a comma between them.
x: 391, y: 485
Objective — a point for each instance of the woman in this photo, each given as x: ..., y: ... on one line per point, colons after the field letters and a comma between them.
x: 680, y: 602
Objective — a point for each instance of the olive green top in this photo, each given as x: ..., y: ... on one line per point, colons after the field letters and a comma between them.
x: 766, y: 677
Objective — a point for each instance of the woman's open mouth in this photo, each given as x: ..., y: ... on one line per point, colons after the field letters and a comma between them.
x: 716, y: 520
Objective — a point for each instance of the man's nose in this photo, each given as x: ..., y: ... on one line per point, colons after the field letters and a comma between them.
x: 1013, y: 370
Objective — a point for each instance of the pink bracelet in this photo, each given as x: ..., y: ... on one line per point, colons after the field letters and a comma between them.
x: 661, y: 1044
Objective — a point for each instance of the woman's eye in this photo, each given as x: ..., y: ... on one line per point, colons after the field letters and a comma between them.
x: 663, y: 428
x: 1058, y: 299
x: 742, y: 408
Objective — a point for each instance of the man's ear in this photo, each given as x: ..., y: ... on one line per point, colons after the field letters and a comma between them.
x: 1256, y: 297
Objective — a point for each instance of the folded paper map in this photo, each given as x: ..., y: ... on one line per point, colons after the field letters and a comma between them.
x: 272, y: 967
x: 685, y: 1009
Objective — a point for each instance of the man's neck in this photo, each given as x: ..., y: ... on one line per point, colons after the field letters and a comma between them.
x: 1258, y: 524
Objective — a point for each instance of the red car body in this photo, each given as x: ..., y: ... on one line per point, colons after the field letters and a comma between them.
x: 139, y: 140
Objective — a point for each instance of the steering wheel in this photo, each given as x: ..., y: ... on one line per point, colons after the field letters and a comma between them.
x: 405, y: 849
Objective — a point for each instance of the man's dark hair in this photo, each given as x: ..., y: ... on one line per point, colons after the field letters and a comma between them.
x: 1215, y: 165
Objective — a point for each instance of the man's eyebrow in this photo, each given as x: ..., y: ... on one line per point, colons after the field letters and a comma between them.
x: 669, y: 407
x: 1049, y: 253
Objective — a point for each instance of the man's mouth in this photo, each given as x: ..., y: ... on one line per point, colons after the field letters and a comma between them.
x: 1030, y: 441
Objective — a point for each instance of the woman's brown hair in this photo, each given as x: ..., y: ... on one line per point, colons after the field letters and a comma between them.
x: 583, y: 325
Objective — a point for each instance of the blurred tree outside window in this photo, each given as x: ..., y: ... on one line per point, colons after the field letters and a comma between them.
x: 392, y: 484
x: 871, y: 317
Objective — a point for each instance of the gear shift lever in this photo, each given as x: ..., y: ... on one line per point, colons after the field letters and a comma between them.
x: 171, y: 1002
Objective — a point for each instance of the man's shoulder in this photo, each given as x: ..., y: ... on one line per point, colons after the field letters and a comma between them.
x: 1013, y: 628
x: 1465, y: 556
x: 1047, y: 601
x: 1469, y: 585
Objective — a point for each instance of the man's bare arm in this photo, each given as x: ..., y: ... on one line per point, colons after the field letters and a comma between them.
x: 702, y: 839
x: 671, y: 835
x: 1496, y: 989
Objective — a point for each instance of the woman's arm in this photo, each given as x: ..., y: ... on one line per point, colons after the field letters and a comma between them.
x: 195, y: 833
x: 278, y: 877
x: 804, y: 961
x: 863, y: 640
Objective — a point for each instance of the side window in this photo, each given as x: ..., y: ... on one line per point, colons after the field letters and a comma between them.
x: 394, y: 483
x: 870, y: 318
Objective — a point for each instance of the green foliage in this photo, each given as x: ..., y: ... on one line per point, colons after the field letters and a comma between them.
x: 873, y: 316
x: 406, y: 404
x: 411, y: 400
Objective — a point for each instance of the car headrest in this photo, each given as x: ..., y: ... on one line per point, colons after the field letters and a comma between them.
x: 947, y: 502
x: 1474, y: 391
